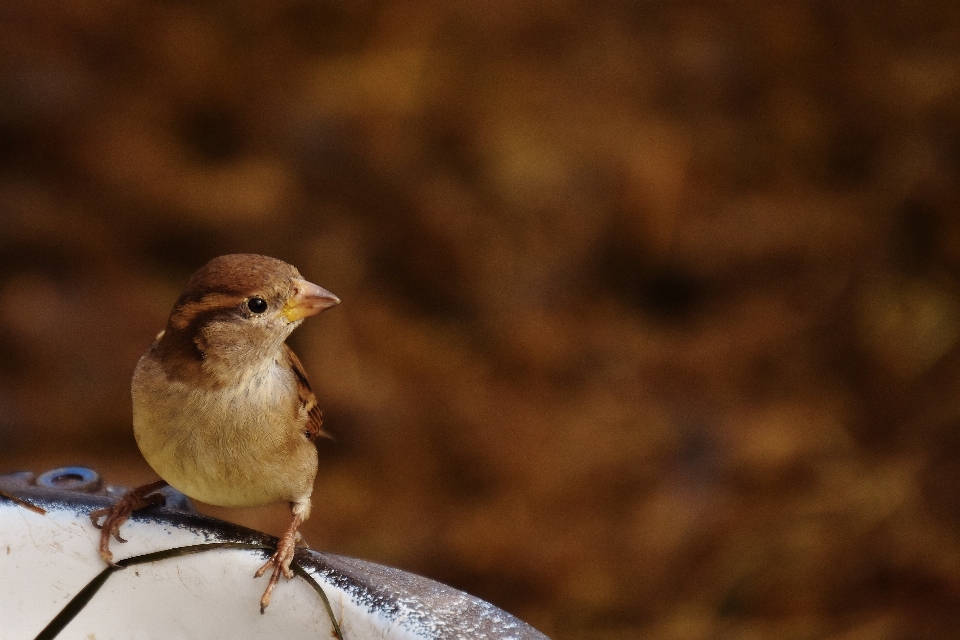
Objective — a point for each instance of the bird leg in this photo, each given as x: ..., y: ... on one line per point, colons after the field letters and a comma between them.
x: 281, y: 559
x: 131, y: 501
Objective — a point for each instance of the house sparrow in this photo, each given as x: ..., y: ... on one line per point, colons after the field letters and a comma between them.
x: 222, y: 409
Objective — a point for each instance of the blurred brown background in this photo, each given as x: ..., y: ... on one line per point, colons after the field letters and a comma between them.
x: 651, y: 310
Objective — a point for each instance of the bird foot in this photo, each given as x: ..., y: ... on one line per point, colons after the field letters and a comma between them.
x: 118, y: 513
x: 280, y: 561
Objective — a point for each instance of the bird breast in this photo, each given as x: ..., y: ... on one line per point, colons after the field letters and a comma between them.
x: 236, y: 446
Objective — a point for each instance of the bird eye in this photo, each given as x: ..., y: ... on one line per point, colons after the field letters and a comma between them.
x: 257, y: 305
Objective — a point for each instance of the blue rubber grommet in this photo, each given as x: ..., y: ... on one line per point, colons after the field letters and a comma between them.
x: 71, y: 479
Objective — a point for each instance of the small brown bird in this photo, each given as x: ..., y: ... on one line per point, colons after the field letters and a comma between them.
x: 222, y: 409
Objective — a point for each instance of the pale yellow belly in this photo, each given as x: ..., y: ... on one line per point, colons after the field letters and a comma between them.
x: 223, y: 479
x: 205, y: 446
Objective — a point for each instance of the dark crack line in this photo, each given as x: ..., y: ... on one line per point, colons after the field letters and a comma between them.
x: 299, y: 570
x: 83, y: 597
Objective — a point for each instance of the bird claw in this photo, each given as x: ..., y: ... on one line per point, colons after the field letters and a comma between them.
x: 280, y: 562
x: 281, y: 566
x: 107, y: 558
x: 119, y: 512
x: 96, y: 515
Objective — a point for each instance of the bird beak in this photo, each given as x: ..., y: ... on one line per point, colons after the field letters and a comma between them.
x: 309, y: 300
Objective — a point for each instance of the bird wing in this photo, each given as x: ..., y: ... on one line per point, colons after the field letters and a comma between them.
x: 314, y: 426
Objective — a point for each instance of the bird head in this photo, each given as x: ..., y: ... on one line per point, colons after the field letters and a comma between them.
x: 237, y: 310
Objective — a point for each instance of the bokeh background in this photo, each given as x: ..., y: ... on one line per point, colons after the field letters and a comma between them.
x: 651, y: 312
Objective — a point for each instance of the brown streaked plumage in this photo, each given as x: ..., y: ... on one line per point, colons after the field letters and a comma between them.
x: 222, y: 409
